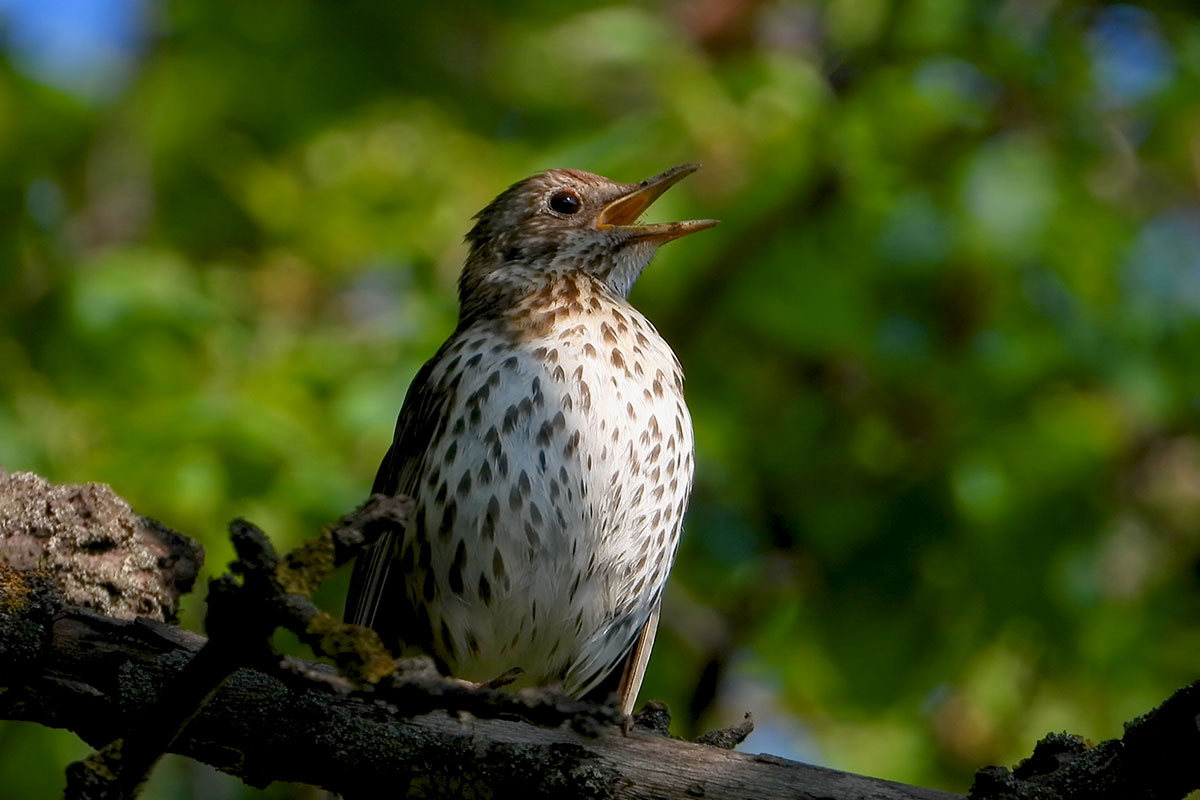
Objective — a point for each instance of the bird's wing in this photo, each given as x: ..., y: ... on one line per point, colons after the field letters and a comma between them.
x: 635, y: 664
x: 372, y: 585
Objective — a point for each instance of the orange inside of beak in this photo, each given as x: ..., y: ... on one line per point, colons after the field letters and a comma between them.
x: 626, y: 210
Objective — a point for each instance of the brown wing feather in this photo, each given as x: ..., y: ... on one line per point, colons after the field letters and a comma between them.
x: 635, y: 664
x: 625, y: 678
x: 372, y: 584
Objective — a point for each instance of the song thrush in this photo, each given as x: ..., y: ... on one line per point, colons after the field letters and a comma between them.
x: 548, y: 449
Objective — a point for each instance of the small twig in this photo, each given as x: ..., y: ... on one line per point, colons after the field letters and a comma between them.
x: 730, y: 737
x: 240, y: 619
x: 655, y: 716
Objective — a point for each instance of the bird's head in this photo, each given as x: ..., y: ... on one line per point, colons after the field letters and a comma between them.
x: 563, y: 221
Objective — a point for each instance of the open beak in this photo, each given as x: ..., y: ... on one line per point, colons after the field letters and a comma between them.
x: 625, y: 210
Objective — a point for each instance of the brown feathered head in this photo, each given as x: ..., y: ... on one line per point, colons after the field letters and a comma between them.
x: 567, y: 220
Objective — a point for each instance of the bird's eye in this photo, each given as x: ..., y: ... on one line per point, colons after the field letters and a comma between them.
x: 565, y: 201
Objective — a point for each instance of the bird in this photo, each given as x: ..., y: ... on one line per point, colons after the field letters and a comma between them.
x: 548, y: 449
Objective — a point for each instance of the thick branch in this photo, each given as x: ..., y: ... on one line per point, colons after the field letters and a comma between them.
x: 94, y: 675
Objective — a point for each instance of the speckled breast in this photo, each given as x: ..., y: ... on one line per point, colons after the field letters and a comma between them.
x: 552, y: 502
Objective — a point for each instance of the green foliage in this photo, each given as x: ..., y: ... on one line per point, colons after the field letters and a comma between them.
x: 941, y: 354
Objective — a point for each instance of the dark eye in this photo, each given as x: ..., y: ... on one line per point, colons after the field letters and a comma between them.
x: 565, y: 201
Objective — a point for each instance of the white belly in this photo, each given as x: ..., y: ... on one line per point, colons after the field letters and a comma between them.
x: 553, y: 500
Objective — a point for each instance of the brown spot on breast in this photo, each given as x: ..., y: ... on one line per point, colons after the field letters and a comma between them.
x: 448, y: 517
x: 607, y: 332
x: 455, y: 580
x: 573, y: 332
x: 447, y: 640
x: 618, y: 360
x: 464, y: 484
x: 498, y: 570
x: 588, y: 350
x: 488, y: 527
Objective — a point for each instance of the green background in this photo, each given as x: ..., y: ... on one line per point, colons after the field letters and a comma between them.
x: 943, y: 354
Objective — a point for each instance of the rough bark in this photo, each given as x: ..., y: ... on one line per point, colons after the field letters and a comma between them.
x: 95, y: 675
x: 131, y: 685
x: 113, y: 676
x: 101, y: 553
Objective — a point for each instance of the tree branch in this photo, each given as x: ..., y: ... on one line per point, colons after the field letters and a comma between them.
x: 95, y: 675
x: 409, y: 732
